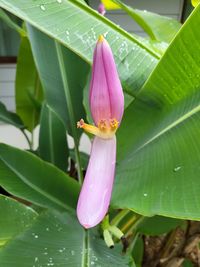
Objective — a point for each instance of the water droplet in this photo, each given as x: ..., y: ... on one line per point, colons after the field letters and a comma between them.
x: 47, y: 229
x: 92, y: 262
x: 36, y: 259
x: 72, y: 252
x: 145, y: 194
x: 59, y: 1
x: 42, y: 7
x: 176, y: 169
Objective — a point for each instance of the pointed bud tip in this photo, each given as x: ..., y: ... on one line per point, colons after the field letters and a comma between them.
x: 101, y: 39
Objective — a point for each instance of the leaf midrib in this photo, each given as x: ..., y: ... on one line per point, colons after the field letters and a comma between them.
x: 112, y: 25
x: 171, y: 126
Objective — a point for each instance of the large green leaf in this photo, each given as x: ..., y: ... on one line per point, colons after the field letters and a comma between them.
x: 58, y: 240
x: 28, y: 90
x: 159, y: 144
x: 53, y: 139
x: 158, y: 27
x: 25, y: 175
x: 10, y: 117
x: 77, y: 26
x: 15, y: 218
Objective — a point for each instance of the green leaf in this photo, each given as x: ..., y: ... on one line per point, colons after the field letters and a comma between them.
x: 52, y: 139
x: 158, y: 225
x: 28, y: 88
x: 158, y: 27
x: 77, y: 26
x: 11, y: 23
x: 25, y: 175
x: 159, y: 145
x: 138, y: 251
x: 10, y: 117
x: 15, y: 218
x: 58, y: 240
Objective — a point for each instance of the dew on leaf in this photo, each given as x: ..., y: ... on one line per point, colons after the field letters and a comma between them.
x: 72, y: 252
x: 42, y: 7
x: 176, y: 169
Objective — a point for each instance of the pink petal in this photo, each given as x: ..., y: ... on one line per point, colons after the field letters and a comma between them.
x: 106, y: 95
x: 114, y: 85
x: 96, y: 191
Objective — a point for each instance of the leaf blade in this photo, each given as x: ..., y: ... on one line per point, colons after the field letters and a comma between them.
x: 52, y: 139
x: 163, y: 154
x: 58, y: 238
x: 76, y: 33
x: 26, y: 176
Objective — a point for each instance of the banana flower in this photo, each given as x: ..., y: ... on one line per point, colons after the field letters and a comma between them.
x: 107, y: 105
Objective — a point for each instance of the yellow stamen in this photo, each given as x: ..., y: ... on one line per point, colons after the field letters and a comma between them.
x: 105, y: 129
x: 114, y: 124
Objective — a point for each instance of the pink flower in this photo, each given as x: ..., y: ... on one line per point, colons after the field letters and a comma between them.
x: 107, y: 105
x: 101, y: 9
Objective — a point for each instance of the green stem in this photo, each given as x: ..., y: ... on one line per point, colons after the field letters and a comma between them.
x: 132, y: 245
x: 85, y: 254
x: 128, y: 224
x: 117, y: 219
x: 27, y: 138
x: 135, y: 224
x: 32, y: 139
x: 70, y: 109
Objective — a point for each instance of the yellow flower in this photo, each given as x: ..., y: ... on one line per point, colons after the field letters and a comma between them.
x: 195, y: 2
x: 109, y: 4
